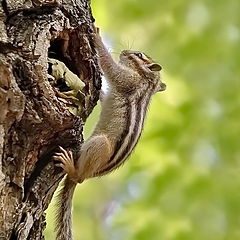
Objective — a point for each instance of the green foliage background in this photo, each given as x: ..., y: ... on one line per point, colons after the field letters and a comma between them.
x: 183, y: 180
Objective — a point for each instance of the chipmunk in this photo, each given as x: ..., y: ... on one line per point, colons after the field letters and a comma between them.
x: 133, y: 81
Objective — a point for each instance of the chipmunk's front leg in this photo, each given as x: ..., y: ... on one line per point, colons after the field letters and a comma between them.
x: 108, y: 65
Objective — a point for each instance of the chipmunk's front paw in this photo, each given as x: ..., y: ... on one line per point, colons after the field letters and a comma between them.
x: 65, y: 160
x: 96, y: 36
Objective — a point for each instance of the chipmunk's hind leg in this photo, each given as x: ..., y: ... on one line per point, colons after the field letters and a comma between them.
x: 95, y: 153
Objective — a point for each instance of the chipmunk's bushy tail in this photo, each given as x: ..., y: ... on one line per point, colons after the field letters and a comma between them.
x: 63, y: 219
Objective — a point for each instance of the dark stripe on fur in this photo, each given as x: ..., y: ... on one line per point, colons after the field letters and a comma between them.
x: 134, y: 136
x: 119, y: 143
x: 133, y: 139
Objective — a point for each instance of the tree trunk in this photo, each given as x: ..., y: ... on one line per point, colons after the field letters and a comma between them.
x: 33, y: 121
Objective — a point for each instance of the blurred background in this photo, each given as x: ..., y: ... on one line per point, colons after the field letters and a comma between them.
x: 183, y: 180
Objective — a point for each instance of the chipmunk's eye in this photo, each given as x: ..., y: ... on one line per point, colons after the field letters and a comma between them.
x: 138, y: 55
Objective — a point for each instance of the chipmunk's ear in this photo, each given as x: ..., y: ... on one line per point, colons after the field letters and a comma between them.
x: 155, y: 67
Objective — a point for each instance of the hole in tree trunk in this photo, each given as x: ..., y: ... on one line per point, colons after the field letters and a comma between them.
x: 65, y: 73
x: 66, y: 48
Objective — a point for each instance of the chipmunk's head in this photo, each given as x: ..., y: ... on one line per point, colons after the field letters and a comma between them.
x: 144, y: 66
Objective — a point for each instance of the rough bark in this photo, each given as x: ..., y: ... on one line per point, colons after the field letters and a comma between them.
x: 33, y: 122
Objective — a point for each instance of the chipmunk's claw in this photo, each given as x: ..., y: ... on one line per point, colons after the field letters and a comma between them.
x: 64, y: 160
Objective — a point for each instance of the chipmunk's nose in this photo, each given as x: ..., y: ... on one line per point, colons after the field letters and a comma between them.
x: 163, y: 86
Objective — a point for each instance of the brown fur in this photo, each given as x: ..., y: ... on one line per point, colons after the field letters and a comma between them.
x: 132, y: 81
